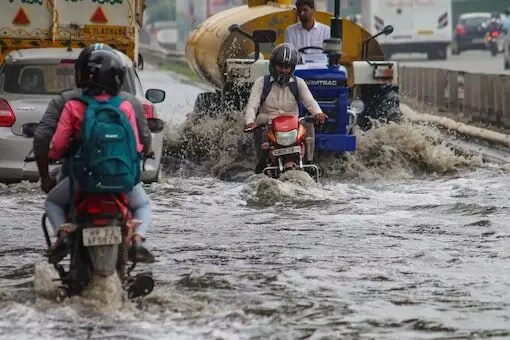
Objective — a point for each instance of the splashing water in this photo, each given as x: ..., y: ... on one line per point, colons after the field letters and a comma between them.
x: 217, y: 146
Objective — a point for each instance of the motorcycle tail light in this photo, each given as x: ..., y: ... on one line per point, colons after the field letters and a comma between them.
x: 495, y: 34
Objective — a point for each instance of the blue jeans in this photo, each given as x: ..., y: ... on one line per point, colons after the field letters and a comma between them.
x: 57, y: 205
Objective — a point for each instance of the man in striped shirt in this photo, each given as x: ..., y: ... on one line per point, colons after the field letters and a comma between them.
x: 308, y: 31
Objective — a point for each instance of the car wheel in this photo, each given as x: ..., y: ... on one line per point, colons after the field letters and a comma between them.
x: 507, y: 65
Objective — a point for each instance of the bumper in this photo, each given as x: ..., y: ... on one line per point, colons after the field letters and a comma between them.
x: 335, y: 143
x: 13, y: 150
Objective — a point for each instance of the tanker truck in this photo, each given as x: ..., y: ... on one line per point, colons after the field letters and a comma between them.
x: 71, y: 24
x: 230, y: 50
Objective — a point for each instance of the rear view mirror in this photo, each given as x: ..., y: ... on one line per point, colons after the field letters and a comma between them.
x: 155, y: 95
x: 388, y: 30
x: 156, y: 125
x: 28, y: 129
x: 264, y: 36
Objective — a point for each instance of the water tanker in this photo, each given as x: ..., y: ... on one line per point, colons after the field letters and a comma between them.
x: 230, y: 50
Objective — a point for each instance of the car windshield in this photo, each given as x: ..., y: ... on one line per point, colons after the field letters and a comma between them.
x: 474, y: 21
x: 43, y: 79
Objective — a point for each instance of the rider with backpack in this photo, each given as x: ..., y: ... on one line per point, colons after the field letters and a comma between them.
x: 280, y: 93
x: 104, y: 157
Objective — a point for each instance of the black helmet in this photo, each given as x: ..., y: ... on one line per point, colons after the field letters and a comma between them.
x: 103, y: 71
x: 283, y: 54
x: 83, y: 59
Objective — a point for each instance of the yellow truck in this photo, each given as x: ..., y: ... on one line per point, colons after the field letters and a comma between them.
x: 70, y: 23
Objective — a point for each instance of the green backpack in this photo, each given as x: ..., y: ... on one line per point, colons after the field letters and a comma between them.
x: 106, y: 160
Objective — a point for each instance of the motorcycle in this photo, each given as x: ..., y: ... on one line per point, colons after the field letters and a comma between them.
x: 99, y: 241
x: 493, y: 41
x: 286, y: 146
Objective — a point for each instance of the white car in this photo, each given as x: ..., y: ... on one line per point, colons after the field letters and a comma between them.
x: 29, y: 80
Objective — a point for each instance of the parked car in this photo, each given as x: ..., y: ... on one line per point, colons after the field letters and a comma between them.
x: 470, y: 32
x: 29, y: 80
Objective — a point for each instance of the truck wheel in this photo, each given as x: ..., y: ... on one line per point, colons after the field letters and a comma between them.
x: 507, y: 65
x: 382, y: 103
x: 207, y: 104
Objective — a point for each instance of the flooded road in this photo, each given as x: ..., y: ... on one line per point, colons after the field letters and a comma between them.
x: 405, y: 240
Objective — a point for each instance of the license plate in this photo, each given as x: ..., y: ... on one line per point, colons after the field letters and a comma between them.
x: 478, y: 41
x: 101, y: 236
x: 286, y: 151
x: 102, y: 30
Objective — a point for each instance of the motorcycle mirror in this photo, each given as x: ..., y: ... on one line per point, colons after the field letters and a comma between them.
x: 388, y: 30
x: 155, y: 95
x: 156, y: 125
x: 28, y: 129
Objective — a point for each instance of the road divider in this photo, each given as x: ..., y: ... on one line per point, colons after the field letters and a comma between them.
x: 471, y: 97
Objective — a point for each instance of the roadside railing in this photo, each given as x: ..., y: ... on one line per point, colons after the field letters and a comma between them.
x: 474, y: 97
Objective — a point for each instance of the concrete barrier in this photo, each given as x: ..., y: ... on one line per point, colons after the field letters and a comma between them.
x: 471, y: 97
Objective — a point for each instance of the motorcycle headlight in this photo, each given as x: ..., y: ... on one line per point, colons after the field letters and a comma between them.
x: 357, y: 106
x: 286, y: 138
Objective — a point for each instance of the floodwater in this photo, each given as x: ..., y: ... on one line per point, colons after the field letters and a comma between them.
x: 406, y: 239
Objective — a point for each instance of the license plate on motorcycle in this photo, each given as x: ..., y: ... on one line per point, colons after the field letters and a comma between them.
x: 286, y: 151
x: 101, y: 236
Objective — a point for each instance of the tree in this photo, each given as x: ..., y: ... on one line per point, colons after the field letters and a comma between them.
x: 160, y: 10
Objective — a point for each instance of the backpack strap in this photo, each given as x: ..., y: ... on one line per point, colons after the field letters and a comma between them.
x: 293, y: 86
x: 265, y: 90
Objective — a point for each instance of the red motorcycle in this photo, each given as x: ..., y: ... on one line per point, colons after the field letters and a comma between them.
x: 286, y: 147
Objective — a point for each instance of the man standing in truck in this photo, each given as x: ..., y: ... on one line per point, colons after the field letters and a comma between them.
x: 308, y: 31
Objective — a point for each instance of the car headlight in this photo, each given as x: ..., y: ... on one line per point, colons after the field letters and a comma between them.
x: 357, y: 106
x: 286, y: 138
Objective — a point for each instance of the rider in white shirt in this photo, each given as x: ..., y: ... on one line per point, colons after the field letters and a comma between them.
x: 308, y: 31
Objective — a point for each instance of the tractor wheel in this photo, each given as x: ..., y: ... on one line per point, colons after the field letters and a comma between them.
x: 382, y: 103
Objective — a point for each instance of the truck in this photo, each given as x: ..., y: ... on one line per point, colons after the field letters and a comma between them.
x: 62, y: 23
x: 421, y: 26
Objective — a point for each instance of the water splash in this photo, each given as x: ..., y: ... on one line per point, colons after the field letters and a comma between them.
x: 217, y: 146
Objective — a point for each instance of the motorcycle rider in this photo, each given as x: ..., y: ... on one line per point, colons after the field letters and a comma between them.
x: 280, y: 99
x: 495, y: 23
x: 58, y: 198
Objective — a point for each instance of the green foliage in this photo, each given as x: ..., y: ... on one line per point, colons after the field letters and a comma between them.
x: 160, y: 10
